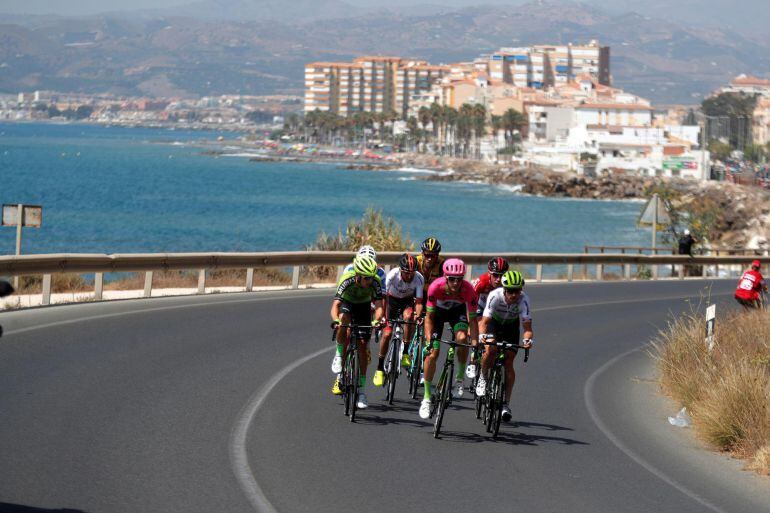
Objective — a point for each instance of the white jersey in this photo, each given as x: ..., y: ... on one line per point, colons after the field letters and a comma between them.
x: 380, y: 273
x: 395, y: 286
x: 502, y: 312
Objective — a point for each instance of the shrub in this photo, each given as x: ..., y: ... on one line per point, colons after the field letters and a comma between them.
x: 380, y: 232
x: 726, y: 390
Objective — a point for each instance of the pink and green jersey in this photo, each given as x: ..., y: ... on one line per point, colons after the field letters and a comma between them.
x: 439, y: 296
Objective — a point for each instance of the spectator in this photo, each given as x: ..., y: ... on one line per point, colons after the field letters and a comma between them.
x: 686, y: 242
x: 749, y: 286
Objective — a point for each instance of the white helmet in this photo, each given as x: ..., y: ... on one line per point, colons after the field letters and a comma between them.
x: 367, y: 251
x: 686, y: 232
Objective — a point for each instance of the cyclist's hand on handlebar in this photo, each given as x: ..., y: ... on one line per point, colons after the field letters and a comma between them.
x: 378, y: 323
x: 420, y: 320
x: 487, y: 337
x: 335, y: 324
x: 527, y: 343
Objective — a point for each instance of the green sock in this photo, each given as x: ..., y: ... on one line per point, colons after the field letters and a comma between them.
x: 339, y: 349
x: 361, y: 382
x: 427, y: 389
x: 460, y: 374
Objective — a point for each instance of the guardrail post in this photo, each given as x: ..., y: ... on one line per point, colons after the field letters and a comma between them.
x: 340, y: 268
x: 681, y: 272
x: 46, y: 300
x: 148, y: 284
x: 654, y: 272
x: 98, y: 285
x: 539, y: 273
x: 469, y: 270
x: 295, y: 277
x: 202, y: 281
x: 599, y: 272
x: 569, y: 272
x: 627, y: 271
x: 249, y: 279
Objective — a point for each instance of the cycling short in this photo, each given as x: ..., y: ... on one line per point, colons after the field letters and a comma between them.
x: 504, y: 332
x: 361, y: 314
x: 397, y: 306
x: 456, y: 317
x: 748, y: 303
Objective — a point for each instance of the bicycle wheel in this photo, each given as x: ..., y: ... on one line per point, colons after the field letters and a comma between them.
x: 347, y: 379
x: 392, y: 375
x: 478, y: 398
x: 499, y: 405
x: 492, y: 398
x: 443, y: 401
x: 354, y: 384
x: 417, y: 361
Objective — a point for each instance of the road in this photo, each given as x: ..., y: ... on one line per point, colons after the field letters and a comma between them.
x: 222, y: 403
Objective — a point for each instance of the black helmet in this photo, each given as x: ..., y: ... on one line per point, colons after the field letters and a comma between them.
x: 407, y: 263
x: 431, y: 245
x: 498, y: 265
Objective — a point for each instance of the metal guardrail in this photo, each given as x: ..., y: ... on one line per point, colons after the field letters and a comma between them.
x: 148, y: 263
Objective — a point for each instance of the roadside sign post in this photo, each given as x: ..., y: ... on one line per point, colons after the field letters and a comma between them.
x: 656, y: 216
x: 711, y: 319
x: 20, y: 215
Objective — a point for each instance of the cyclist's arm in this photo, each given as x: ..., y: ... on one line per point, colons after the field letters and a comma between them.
x: 484, y: 324
x: 335, y: 313
x: 526, y: 317
x: 418, y: 308
x: 527, y: 325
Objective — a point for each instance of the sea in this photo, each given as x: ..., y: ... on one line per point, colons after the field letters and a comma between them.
x: 137, y: 190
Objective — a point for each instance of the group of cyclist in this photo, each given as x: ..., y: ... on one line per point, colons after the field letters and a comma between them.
x: 429, y: 290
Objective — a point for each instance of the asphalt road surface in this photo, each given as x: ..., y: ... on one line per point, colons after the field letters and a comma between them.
x: 222, y: 404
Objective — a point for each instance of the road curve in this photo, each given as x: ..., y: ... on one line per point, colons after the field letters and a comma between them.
x: 222, y: 403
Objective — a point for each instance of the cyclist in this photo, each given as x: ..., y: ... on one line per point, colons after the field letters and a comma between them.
x: 506, y: 308
x: 483, y: 285
x: 404, y: 293
x: 450, y: 299
x: 369, y: 251
x: 429, y: 262
x: 356, y: 291
x: 749, y: 287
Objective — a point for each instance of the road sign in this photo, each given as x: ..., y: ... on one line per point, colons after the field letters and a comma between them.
x: 655, y: 211
x: 32, y: 215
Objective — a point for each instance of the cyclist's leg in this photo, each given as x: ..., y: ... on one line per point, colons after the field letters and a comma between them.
x: 408, y: 316
x: 509, y: 332
x: 393, y: 313
x: 458, y: 319
x: 433, y: 350
x: 362, y: 315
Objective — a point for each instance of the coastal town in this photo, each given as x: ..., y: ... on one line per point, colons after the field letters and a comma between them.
x: 548, y: 106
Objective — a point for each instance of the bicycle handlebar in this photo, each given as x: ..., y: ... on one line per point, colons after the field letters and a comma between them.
x: 452, y: 343
x: 508, y: 345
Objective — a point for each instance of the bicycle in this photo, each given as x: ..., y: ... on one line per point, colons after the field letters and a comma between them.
x: 351, y: 367
x: 416, y: 355
x: 393, y: 358
x: 444, y: 387
x: 492, y: 401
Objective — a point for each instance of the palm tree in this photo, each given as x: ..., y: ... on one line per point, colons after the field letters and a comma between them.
x: 425, y: 116
x: 513, y: 121
x: 497, y: 125
x: 479, y: 116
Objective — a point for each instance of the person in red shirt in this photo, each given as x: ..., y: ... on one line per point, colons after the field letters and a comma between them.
x: 749, y: 287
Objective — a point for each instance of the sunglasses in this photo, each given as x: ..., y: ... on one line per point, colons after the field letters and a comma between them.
x: 430, y: 255
x: 496, y: 275
x: 512, y: 291
x: 365, y: 278
x: 454, y: 279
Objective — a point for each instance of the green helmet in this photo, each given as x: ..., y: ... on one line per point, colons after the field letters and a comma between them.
x: 513, y: 280
x: 365, y: 266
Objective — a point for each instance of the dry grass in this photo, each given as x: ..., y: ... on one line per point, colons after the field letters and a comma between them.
x: 727, y: 390
x: 60, y: 282
x: 189, y: 279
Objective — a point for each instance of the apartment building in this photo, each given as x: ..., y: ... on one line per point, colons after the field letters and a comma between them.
x: 748, y: 84
x: 543, y: 66
x: 371, y: 84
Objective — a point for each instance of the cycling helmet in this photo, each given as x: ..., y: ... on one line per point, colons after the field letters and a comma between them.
x: 513, y: 280
x: 756, y: 263
x: 431, y: 245
x: 498, y: 265
x: 454, y: 267
x: 365, y: 266
x: 368, y: 251
x: 407, y: 263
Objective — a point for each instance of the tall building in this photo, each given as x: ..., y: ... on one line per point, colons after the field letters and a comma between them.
x: 549, y: 65
x: 368, y: 84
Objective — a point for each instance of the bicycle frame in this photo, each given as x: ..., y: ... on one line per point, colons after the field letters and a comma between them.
x: 494, y: 398
x: 351, y: 368
x: 444, y: 387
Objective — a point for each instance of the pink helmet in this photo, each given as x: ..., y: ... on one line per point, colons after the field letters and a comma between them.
x: 454, y: 267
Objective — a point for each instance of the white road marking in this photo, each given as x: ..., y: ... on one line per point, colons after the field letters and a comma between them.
x: 238, y: 454
x: 588, y: 392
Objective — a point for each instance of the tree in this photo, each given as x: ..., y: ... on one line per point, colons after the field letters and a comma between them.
x: 755, y: 153
x: 719, y: 149
x: 738, y: 110
x: 513, y: 121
